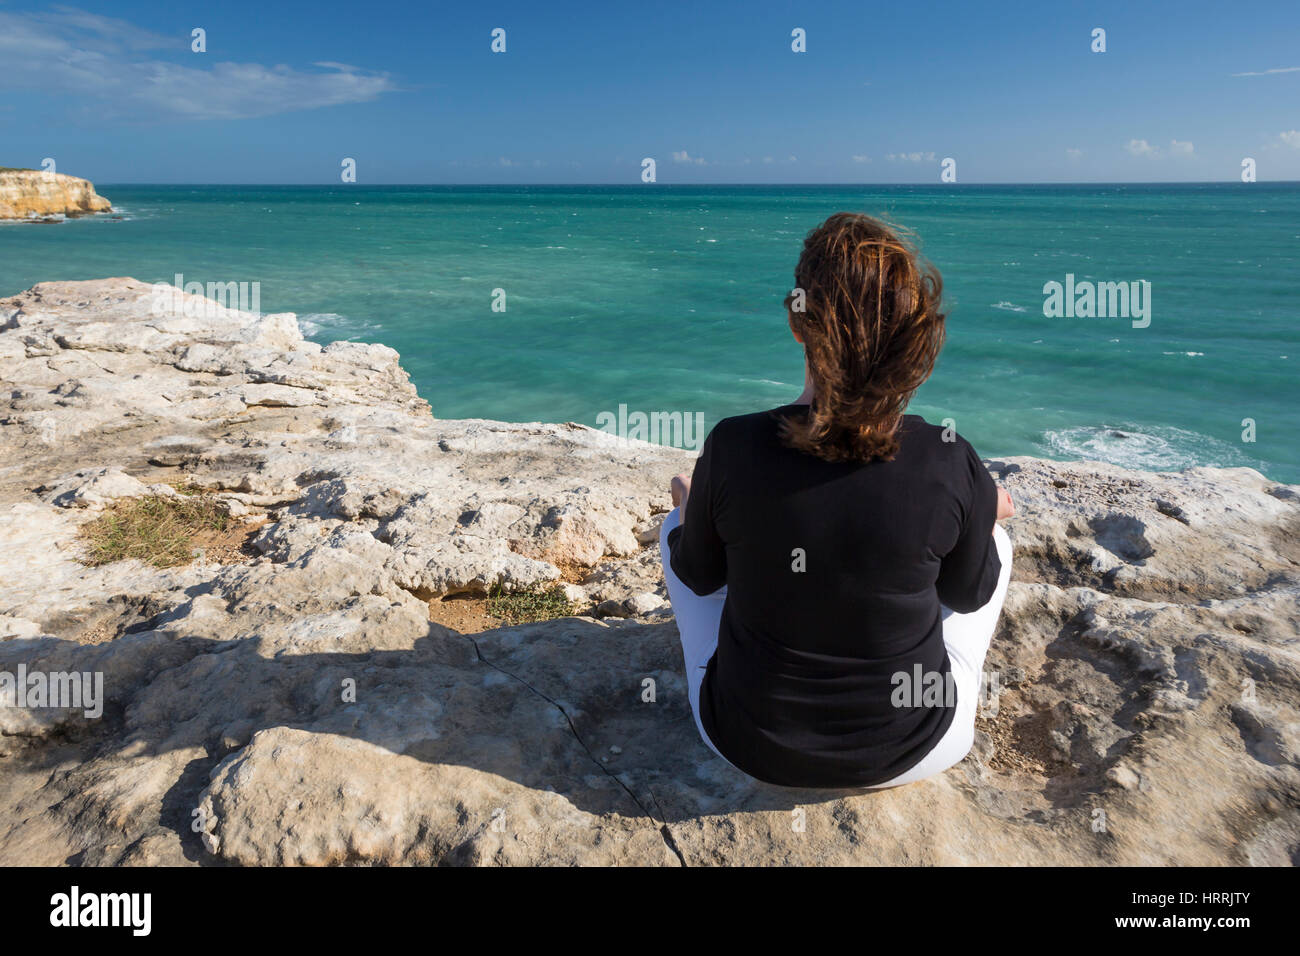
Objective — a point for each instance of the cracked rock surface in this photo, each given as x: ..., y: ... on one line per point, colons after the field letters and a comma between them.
x: 296, y: 705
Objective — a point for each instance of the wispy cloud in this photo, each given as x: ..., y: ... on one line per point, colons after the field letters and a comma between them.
x: 1291, y: 137
x: 681, y: 156
x: 917, y: 157
x: 1281, y: 69
x: 72, y: 51
x: 1140, y: 147
x: 861, y: 159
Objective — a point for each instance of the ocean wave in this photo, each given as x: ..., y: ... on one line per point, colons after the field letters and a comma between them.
x: 312, y: 323
x: 48, y: 219
x: 1147, y: 447
x: 1009, y: 307
x: 331, y: 326
x: 118, y: 214
x: 1189, y: 354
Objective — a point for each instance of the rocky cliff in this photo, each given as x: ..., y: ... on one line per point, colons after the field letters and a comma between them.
x: 36, y: 194
x: 294, y: 702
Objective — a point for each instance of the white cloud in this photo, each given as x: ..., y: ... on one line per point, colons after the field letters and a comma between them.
x: 1282, y: 69
x: 768, y: 160
x: 917, y: 157
x: 681, y: 156
x: 1140, y: 147
x: 1073, y: 153
x: 1291, y: 137
x: 75, y: 52
x: 504, y: 162
x: 862, y: 159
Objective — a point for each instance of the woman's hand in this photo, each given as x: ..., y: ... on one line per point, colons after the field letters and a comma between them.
x: 681, y: 489
x: 1006, y: 508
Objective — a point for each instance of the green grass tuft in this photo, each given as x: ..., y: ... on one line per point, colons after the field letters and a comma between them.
x: 529, y: 605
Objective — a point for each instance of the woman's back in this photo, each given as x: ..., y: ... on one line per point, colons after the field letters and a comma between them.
x: 837, y: 525
x: 830, y: 668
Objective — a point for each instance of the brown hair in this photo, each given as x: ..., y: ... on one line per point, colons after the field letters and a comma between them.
x: 872, y: 330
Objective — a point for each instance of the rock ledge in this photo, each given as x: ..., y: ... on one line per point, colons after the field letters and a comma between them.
x: 297, y: 706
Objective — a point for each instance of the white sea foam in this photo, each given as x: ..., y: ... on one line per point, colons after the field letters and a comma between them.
x: 119, y: 213
x: 1183, y: 353
x: 1147, y: 447
x: 330, y: 326
x: 1009, y: 307
x: 48, y: 219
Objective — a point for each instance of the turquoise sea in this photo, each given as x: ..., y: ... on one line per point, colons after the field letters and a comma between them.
x: 665, y: 298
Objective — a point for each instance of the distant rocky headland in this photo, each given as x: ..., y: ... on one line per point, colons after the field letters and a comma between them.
x: 41, y: 196
x: 287, y: 695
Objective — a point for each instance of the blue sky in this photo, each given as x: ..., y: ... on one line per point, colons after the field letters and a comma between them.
x: 711, y: 91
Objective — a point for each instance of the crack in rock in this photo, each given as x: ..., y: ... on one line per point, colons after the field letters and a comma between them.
x: 664, y: 830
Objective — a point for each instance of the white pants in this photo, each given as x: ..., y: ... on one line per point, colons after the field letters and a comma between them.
x: 966, y: 636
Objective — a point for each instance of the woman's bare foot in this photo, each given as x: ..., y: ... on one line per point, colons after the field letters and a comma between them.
x: 1006, y: 507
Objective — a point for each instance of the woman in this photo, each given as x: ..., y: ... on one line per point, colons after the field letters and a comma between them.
x: 838, y: 572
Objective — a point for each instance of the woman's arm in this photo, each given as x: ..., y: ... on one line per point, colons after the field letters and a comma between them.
x: 968, y: 573
x: 696, y: 553
x: 681, y: 489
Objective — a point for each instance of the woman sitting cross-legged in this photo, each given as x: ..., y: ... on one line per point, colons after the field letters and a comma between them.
x: 835, y: 565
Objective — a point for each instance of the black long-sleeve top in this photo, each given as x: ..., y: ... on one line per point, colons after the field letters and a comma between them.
x: 835, y: 573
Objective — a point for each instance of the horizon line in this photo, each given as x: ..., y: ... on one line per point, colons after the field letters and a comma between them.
x: 1098, y: 182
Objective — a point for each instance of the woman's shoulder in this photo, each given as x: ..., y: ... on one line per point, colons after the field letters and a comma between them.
x: 938, y: 444
x: 940, y: 440
x: 745, y: 435
x: 748, y: 423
